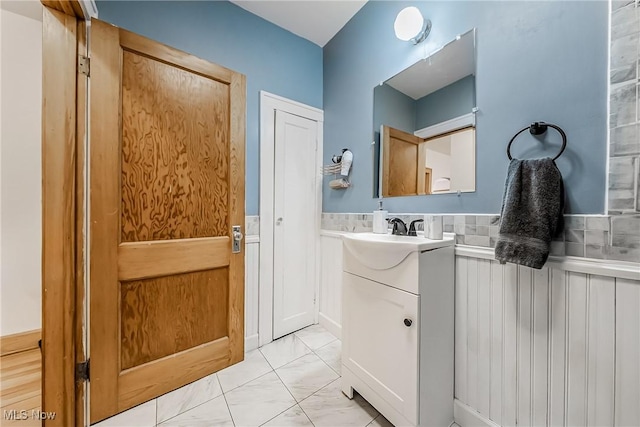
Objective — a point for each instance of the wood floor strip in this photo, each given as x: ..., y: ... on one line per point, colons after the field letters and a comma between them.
x: 20, y: 385
x: 16, y: 359
x: 10, y: 344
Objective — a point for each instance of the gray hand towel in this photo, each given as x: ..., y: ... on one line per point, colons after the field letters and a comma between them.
x: 532, y: 209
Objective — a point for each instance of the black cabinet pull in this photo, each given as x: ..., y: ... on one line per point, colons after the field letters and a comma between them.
x: 408, y: 322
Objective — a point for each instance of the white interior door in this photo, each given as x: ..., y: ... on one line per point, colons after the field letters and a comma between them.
x: 295, y: 208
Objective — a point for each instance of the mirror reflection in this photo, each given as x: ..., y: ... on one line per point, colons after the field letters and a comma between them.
x: 424, y: 128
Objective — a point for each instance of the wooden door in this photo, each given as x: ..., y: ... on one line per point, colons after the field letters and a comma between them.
x: 166, y: 187
x: 403, y: 162
x: 294, y: 232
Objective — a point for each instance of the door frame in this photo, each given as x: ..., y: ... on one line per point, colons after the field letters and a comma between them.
x: 269, y: 103
x: 63, y: 132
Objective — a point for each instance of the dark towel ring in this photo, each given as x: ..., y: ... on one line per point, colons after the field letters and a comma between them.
x: 538, y: 128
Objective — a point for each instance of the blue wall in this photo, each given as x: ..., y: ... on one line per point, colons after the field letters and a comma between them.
x: 273, y: 59
x: 536, y: 61
x: 451, y: 101
x: 393, y: 108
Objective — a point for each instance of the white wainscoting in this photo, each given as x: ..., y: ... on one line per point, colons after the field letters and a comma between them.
x: 330, y: 310
x: 251, y: 282
x: 558, y: 346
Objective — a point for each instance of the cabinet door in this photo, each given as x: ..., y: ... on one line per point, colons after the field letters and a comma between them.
x: 377, y: 345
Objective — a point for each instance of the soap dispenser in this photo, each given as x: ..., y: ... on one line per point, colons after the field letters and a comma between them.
x: 380, y: 219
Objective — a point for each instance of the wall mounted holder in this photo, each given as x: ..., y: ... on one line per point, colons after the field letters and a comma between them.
x: 538, y: 128
x: 341, y: 166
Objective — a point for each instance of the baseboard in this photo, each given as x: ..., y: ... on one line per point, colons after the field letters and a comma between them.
x: 330, y: 325
x: 22, y: 341
x: 465, y: 416
x: 250, y: 342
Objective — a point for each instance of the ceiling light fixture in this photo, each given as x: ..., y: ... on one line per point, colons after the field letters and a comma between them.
x: 411, y: 26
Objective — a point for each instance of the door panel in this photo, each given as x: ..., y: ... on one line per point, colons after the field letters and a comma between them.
x: 295, y: 203
x: 377, y: 346
x: 403, y: 160
x: 169, y: 183
x: 154, y: 326
x: 166, y: 185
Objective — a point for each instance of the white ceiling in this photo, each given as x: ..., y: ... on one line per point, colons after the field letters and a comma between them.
x: 449, y: 64
x: 314, y: 20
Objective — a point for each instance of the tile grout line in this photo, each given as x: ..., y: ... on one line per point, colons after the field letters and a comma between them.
x: 243, y: 384
x: 282, y: 382
x: 312, y: 394
x: 224, y: 396
x: 272, y: 369
x: 190, y: 409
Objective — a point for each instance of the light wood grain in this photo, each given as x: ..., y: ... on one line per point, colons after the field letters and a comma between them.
x: 20, y: 385
x: 160, y: 376
x: 144, y: 260
x: 386, y: 151
x: 167, y: 185
x: 421, y: 187
x: 68, y: 7
x: 403, y: 161
x: 82, y: 87
x: 167, y: 315
x: 237, y: 216
x: 58, y: 215
x: 104, y: 229
x: 428, y: 173
x: 151, y: 48
x: 175, y: 143
x: 16, y: 343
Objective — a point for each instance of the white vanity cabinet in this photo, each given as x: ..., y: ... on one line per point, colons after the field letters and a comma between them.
x: 397, y: 326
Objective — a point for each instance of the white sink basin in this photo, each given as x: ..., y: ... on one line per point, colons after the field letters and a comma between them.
x: 384, y: 251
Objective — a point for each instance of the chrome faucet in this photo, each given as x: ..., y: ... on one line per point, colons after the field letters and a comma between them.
x: 399, y: 227
x: 412, y: 227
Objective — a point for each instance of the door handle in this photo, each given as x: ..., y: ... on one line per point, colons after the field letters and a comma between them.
x: 279, y: 221
x: 237, y: 238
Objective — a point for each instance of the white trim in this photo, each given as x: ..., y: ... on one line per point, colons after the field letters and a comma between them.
x: 89, y: 9
x: 608, y: 136
x: 608, y: 268
x: 330, y: 325
x: 447, y: 126
x: 333, y: 233
x: 254, y: 238
x: 465, y: 416
x: 250, y: 343
x: 269, y: 103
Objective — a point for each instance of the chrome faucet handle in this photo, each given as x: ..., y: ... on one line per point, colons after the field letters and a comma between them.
x: 399, y: 227
x: 412, y: 227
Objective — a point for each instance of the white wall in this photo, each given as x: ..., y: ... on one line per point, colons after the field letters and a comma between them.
x: 439, y: 158
x: 252, y: 286
x: 463, y: 165
x: 20, y: 169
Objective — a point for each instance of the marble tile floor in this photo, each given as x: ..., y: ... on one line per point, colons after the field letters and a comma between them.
x: 293, y: 381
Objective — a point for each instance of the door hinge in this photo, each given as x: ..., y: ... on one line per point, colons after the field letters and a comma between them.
x: 82, y: 371
x: 84, y: 65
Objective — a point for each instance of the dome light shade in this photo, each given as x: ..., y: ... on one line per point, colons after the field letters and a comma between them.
x: 411, y: 26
